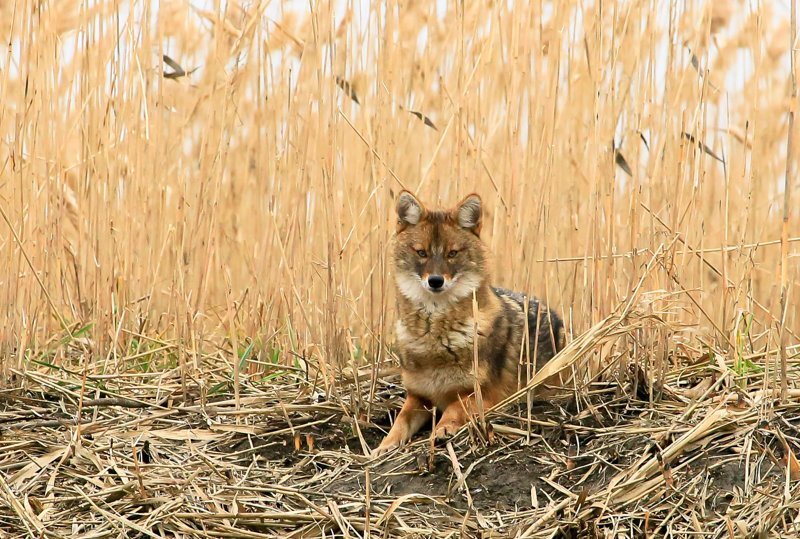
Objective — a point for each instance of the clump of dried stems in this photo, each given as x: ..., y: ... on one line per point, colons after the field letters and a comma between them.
x: 195, y: 293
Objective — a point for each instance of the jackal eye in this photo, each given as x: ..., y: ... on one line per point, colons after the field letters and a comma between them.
x: 452, y: 254
x: 422, y: 253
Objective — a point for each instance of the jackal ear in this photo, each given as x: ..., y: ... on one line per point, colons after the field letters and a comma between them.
x: 409, y: 210
x: 468, y: 214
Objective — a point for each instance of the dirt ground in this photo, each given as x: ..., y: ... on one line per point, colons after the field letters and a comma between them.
x: 513, y: 474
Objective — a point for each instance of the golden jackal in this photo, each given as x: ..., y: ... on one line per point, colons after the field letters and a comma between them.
x: 439, y: 261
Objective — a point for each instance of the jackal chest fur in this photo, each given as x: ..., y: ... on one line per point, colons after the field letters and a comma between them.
x: 437, y: 339
x: 436, y: 351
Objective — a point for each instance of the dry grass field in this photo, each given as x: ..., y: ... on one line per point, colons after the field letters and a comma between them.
x: 196, y: 298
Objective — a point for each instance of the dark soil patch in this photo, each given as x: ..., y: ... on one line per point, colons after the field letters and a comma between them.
x: 498, y: 477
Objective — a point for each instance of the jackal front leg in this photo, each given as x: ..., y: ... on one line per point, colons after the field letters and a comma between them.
x: 412, y: 416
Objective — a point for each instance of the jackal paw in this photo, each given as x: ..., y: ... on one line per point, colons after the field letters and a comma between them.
x: 446, y: 430
x: 381, y: 449
x: 388, y: 444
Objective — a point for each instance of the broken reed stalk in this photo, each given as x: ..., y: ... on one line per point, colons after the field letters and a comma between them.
x: 782, y: 336
x: 477, y: 392
x: 367, y: 503
x: 234, y: 341
x: 525, y: 352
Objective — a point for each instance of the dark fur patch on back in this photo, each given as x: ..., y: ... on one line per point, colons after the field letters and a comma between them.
x: 500, y: 341
x: 547, y: 343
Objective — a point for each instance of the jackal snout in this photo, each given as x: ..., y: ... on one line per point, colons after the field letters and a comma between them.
x: 436, y: 282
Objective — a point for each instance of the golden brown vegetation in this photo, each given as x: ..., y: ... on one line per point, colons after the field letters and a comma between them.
x: 197, y: 200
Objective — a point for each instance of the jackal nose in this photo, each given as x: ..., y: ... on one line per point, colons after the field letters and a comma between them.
x: 436, y: 281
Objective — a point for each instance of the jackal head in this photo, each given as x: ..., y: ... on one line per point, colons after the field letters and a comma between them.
x: 439, y: 256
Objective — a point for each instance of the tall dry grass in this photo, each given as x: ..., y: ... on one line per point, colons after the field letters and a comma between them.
x: 236, y: 197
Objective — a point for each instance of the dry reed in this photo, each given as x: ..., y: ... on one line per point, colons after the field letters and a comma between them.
x: 196, y: 298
